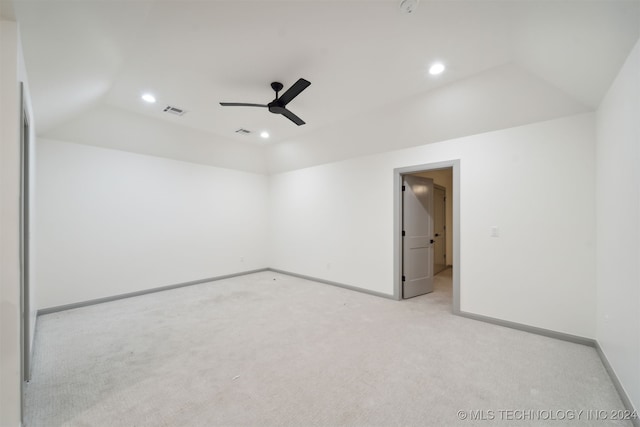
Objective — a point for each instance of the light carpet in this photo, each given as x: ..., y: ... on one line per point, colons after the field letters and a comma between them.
x: 268, y: 349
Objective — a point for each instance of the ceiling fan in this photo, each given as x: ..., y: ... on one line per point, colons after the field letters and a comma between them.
x: 277, y: 106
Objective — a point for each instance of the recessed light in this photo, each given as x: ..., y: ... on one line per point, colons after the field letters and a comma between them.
x: 147, y: 97
x: 436, y: 69
x: 264, y: 134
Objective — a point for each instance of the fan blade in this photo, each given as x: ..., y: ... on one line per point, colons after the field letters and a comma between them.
x: 293, y: 91
x: 240, y: 104
x: 289, y: 115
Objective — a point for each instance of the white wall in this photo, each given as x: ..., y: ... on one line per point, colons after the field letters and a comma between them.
x: 12, y: 72
x: 618, y: 226
x: 112, y: 222
x: 535, y: 182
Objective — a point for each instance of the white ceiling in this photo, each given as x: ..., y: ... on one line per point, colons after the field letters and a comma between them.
x: 359, y: 55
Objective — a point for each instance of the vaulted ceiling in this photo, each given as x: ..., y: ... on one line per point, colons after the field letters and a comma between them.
x: 360, y: 56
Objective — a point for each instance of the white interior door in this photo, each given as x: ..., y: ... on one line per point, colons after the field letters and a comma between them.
x: 439, y: 230
x: 417, y: 239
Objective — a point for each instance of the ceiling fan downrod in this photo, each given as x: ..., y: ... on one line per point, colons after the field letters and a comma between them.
x: 277, y: 86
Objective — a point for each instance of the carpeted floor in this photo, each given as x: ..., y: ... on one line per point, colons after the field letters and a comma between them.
x: 272, y: 350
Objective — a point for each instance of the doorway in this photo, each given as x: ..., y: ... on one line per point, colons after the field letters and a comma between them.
x: 447, y: 253
x: 442, y: 216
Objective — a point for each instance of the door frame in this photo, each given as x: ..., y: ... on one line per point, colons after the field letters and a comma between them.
x: 397, y: 224
x: 25, y: 249
x: 444, y: 190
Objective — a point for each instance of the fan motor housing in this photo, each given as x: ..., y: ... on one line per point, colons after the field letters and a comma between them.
x: 275, y: 107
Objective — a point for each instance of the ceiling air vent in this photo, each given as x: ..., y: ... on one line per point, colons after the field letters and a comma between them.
x: 174, y: 110
x: 243, y: 131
